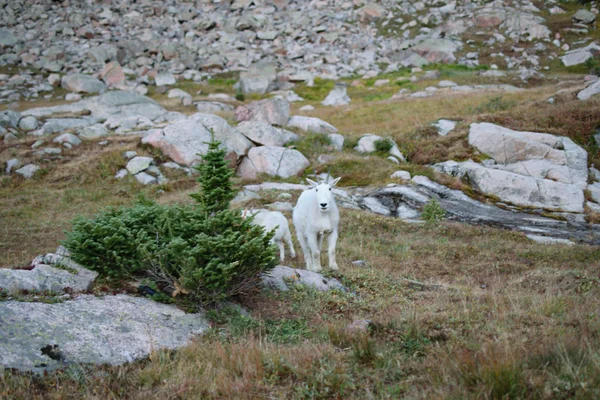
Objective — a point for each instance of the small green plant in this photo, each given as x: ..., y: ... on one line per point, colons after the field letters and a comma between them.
x: 214, y: 178
x: 313, y: 144
x: 433, y: 212
x: 239, y: 96
x: 495, y: 104
x: 383, y: 145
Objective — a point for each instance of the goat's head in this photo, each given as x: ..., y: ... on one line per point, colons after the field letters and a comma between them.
x: 324, y: 194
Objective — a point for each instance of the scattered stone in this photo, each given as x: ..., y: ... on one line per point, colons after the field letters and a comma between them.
x: 590, y: 91
x: 403, y: 175
x: 68, y: 138
x: 80, y: 83
x: 581, y: 55
x: 185, y: 140
x: 12, y: 164
x: 93, y: 131
x: 138, y: 164
x: 54, y: 79
x: 113, y: 75
x: 28, y: 123
x: 164, y: 79
x: 584, y: 16
x: 445, y: 84
x: 281, y: 277
x: 361, y: 326
x: 274, y: 161
x: 284, y: 196
x: 244, y: 197
x: 121, y: 174
x: 145, y: 179
x: 336, y: 140
x: 211, y: 107
x: 265, y: 134
x: 178, y: 94
x: 539, y: 155
x: 274, y: 111
x: 310, y: 124
x: 444, y: 126
x: 28, y: 171
x: 281, y: 206
x: 337, y: 97
x: 259, y: 79
x: 549, y: 240
x: 307, y: 107
x: 72, y: 97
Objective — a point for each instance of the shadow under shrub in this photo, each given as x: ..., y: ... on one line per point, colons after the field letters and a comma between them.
x: 208, y: 256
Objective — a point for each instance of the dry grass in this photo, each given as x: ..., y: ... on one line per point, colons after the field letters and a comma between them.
x: 498, y: 316
x: 512, y: 319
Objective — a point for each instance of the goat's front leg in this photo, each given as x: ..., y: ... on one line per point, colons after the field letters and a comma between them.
x: 313, y: 245
x: 305, y: 250
x: 332, y: 242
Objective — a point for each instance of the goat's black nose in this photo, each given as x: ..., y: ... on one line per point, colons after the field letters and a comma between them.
x: 323, y: 205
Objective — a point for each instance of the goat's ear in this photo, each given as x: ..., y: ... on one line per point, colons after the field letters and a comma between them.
x: 312, y: 183
x: 335, y: 181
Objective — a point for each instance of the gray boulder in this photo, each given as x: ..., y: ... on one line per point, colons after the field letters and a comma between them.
x: 438, y: 50
x: 539, y: 155
x: 93, y: 131
x: 28, y: 171
x: 50, y: 273
x: 336, y: 140
x: 81, y: 83
x: 110, y: 330
x: 259, y: 79
x: 517, y: 189
x: 589, y: 91
x: 584, y: 16
x: 274, y: 161
x: 444, y: 126
x: 67, y: 138
x: 211, y: 107
x: 280, y: 278
x: 184, y: 141
x: 138, y: 164
x: 164, y: 79
x: 274, y: 111
x: 7, y: 39
x: 28, y: 123
x: 337, y: 97
x: 265, y: 134
x: 311, y: 124
x: 581, y: 55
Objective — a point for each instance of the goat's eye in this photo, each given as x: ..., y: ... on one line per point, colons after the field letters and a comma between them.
x: 330, y: 189
x: 316, y: 190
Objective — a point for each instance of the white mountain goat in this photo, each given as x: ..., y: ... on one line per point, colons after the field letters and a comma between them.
x: 315, y: 216
x: 274, y: 220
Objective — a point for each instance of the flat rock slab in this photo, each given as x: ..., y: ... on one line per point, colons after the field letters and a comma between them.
x: 281, y: 278
x: 403, y: 200
x: 110, y: 330
x: 50, y: 273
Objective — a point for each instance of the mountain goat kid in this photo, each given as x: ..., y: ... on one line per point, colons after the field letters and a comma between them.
x: 315, y: 216
x: 274, y: 220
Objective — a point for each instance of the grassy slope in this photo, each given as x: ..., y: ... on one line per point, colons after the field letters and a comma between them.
x: 511, y: 318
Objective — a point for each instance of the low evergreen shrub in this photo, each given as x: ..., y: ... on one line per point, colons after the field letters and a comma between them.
x: 205, y: 251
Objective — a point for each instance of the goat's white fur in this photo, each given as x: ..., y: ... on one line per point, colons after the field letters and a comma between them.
x: 315, y: 216
x: 274, y: 221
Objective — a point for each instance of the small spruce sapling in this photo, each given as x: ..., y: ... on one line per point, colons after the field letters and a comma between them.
x: 214, y: 178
